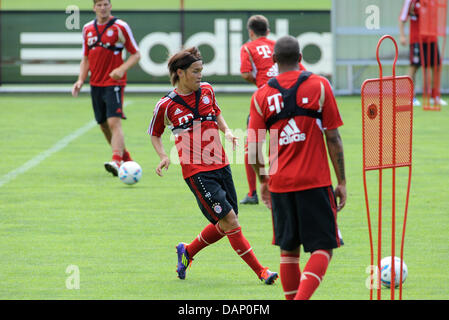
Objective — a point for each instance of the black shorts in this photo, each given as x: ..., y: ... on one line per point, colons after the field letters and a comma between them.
x: 107, y: 102
x: 415, y: 54
x: 215, y: 193
x: 307, y: 218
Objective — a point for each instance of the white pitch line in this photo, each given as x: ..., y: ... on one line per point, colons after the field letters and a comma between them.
x: 58, y: 146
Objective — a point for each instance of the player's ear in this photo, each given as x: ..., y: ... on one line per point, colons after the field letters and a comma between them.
x: 180, y: 73
x: 300, y: 57
x: 274, y: 58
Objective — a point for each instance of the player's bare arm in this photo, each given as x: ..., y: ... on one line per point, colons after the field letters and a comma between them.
x: 159, y: 148
x: 119, y: 73
x: 248, y: 76
x: 84, y: 70
x: 335, y: 150
x: 228, y: 132
x: 403, y: 38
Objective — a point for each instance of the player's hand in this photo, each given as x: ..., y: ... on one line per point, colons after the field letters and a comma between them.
x: 230, y: 137
x: 77, y: 88
x: 340, y: 194
x: 117, y: 74
x: 403, y: 40
x: 164, y: 164
x: 265, y: 194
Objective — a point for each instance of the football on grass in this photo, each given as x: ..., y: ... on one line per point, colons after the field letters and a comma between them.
x: 385, y: 273
x: 130, y: 172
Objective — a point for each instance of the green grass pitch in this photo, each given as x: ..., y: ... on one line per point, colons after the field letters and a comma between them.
x: 68, y: 211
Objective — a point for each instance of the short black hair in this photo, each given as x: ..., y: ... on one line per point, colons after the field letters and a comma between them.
x: 258, y: 24
x: 287, y: 51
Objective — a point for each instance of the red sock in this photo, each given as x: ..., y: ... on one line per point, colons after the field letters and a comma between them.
x: 117, y: 156
x: 290, y: 275
x: 210, y: 234
x: 126, y: 156
x: 434, y: 93
x: 313, y: 274
x: 250, y: 174
x: 242, y: 247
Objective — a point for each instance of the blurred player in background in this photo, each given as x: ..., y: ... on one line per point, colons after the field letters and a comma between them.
x: 410, y: 10
x: 104, y: 39
x: 298, y: 188
x: 256, y: 67
x: 195, y: 118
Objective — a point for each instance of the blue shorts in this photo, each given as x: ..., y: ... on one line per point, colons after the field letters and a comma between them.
x: 215, y: 193
x: 307, y: 218
x: 107, y: 102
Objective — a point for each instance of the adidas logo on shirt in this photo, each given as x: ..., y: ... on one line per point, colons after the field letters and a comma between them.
x: 291, y: 133
x: 178, y: 111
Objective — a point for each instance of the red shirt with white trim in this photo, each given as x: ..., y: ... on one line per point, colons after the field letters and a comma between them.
x: 410, y: 9
x: 256, y: 57
x: 101, y: 60
x: 199, y: 147
x: 298, y: 156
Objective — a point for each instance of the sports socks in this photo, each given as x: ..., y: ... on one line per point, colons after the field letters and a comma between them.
x: 290, y: 274
x: 210, y: 234
x: 126, y: 156
x: 242, y: 247
x: 118, y: 156
x: 250, y: 174
x: 313, y: 274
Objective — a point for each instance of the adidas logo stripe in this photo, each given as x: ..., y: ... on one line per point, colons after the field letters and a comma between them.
x: 291, y: 133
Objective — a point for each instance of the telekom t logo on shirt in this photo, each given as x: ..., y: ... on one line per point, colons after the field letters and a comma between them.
x: 264, y: 51
x: 278, y: 103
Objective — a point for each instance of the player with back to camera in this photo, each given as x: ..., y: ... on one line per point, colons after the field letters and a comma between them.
x: 103, y: 41
x: 298, y: 188
x: 195, y: 118
x: 256, y: 67
x: 410, y: 11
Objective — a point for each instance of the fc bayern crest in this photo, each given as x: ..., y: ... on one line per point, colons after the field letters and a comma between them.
x: 206, y: 100
x: 217, y: 208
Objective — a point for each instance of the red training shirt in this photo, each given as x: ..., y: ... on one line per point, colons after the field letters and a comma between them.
x: 298, y: 157
x: 257, y: 57
x: 102, y: 61
x: 410, y: 9
x: 199, y: 147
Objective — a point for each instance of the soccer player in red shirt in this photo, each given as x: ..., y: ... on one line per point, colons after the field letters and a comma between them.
x: 298, y: 187
x: 195, y: 118
x: 104, y: 39
x: 256, y: 67
x: 410, y: 11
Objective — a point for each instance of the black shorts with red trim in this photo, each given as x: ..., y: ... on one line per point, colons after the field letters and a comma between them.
x: 107, y: 102
x: 215, y: 193
x: 307, y: 218
x: 429, y: 53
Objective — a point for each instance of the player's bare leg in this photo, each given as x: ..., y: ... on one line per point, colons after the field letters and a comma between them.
x: 106, y: 131
x: 412, y: 74
x: 117, y: 142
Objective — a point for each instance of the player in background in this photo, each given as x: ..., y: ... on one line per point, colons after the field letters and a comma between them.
x: 195, y: 118
x: 298, y: 187
x: 103, y: 41
x: 256, y: 67
x: 410, y: 11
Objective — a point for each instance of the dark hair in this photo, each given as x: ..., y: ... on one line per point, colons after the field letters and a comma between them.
x: 287, y: 51
x: 258, y: 24
x: 182, y: 60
